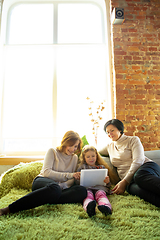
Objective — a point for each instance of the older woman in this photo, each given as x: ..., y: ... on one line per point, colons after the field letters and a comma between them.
x: 139, y: 175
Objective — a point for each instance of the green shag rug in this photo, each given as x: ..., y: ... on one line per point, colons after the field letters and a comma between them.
x: 132, y: 218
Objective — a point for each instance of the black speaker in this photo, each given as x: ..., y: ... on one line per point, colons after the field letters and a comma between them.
x: 118, y: 16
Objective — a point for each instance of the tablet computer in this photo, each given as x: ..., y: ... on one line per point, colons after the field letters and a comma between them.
x: 93, y: 177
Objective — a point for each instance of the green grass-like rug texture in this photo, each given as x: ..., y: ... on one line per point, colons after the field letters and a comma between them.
x: 132, y: 218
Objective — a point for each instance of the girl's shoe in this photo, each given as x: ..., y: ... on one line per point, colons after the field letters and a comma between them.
x: 91, y: 208
x: 104, y: 209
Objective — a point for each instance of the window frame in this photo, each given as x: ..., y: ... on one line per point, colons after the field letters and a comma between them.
x: 106, y: 36
x: 7, y: 7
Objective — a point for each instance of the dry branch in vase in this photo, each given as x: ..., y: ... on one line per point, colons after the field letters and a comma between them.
x: 95, y: 116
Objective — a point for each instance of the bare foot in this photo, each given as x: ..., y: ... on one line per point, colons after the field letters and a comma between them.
x: 4, y: 211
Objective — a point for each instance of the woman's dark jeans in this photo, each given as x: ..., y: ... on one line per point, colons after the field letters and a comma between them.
x: 47, y: 191
x: 146, y: 183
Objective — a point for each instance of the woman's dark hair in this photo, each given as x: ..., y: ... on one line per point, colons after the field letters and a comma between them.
x: 115, y: 122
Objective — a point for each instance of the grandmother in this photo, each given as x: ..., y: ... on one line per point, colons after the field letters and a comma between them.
x: 139, y: 175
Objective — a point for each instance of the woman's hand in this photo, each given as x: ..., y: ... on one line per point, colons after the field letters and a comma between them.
x: 120, y: 187
x: 77, y: 175
x: 107, y: 180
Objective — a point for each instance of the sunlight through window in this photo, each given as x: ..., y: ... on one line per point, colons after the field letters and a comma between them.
x: 31, y: 24
x: 79, y: 24
x: 55, y: 56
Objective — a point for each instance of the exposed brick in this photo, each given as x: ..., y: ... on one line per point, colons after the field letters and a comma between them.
x: 141, y: 128
x: 128, y: 57
x: 136, y: 67
x: 154, y: 139
x: 139, y: 107
x: 137, y: 82
x: 137, y: 70
x: 120, y: 76
x: 153, y: 49
x: 140, y: 117
x: 129, y: 118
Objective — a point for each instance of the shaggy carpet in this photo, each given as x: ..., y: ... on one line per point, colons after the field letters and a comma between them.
x: 132, y: 218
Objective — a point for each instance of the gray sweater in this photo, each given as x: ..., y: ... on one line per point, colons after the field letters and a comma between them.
x: 59, y: 167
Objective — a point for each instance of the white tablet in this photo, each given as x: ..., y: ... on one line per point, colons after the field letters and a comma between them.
x: 93, y: 177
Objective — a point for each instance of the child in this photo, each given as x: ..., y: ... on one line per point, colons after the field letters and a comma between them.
x: 91, y: 159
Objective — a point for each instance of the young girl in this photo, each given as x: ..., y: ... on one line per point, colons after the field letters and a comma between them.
x: 54, y: 185
x: 91, y: 159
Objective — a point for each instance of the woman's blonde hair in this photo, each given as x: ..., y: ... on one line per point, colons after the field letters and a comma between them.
x: 69, y: 139
x: 99, y: 161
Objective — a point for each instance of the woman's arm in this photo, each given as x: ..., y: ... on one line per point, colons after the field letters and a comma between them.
x: 78, y: 174
x: 138, y: 157
x: 104, y: 152
x: 51, y: 160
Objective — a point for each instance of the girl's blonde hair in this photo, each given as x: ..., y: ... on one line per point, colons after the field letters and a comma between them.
x: 99, y: 161
x: 69, y: 139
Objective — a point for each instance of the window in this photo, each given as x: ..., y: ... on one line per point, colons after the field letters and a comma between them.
x: 55, y: 55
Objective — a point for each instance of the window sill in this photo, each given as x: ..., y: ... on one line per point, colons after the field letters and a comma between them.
x: 11, y: 160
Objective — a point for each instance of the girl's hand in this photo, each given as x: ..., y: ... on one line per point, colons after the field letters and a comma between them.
x: 107, y: 180
x: 77, y: 175
x: 120, y: 187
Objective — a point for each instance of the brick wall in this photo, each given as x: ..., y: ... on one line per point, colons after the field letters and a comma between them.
x: 136, y: 47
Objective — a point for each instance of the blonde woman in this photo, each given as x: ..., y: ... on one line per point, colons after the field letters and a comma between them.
x: 90, y: 159
x: 54, y: 184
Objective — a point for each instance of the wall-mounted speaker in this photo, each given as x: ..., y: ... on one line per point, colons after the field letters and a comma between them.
x: 118, y: 16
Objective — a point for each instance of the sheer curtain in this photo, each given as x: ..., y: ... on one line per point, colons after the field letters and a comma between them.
x: 55, y: 55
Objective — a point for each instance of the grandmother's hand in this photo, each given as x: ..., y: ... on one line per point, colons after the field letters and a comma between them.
x: 77, y: 175
x: 120, y: 187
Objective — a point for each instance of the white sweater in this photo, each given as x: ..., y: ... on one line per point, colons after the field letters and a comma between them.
x: 59, y: 167
x: 127, y: 155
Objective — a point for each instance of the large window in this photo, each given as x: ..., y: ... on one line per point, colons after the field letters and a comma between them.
x: 54, y: 56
